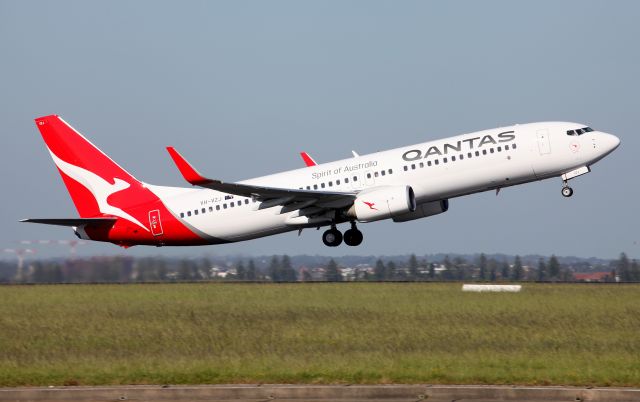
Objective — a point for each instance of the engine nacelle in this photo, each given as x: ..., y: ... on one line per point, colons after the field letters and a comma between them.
x: 383, y: 202
x: 424, y: 210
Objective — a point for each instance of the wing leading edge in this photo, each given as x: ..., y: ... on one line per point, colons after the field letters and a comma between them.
x: 270, y: 196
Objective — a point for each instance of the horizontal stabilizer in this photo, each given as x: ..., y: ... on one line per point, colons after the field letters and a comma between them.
x: 72, y: 221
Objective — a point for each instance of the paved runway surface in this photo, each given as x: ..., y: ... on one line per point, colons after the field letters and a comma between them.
x: 343, y: 393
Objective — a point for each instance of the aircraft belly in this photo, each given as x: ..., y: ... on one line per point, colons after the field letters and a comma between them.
x: 244, y: 224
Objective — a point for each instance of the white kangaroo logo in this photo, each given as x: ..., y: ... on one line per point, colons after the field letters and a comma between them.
x: 99, y: 187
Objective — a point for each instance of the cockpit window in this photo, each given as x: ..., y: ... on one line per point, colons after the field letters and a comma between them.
x: 580, y: 131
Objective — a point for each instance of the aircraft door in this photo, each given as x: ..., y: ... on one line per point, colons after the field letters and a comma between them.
x: 370, y: 180
x: 356, y: 181
x: 544, y: 145
x: 154, y: 222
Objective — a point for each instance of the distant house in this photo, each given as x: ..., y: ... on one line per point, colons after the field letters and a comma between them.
x: 592, y: 276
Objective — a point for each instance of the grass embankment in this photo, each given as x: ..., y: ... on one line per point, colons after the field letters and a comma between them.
x: 318, y: 333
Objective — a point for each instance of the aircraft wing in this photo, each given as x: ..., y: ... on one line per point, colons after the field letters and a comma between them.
x: 71, y: 221
x: 271, y: 196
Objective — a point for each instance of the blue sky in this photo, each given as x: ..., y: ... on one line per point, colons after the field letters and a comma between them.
x: 241, y: 87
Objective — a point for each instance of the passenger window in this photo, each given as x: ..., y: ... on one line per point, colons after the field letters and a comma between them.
x: 390, y: 171
x: 210, y: 209
x: 405, y: 168
x: 444, y: 160
x: 218, y: 207
x: 188, y: 213
x: 469, y: 155
x: 338, y: 182
x: 421, y: 164
x: 195, y: 212
x: 484, y: 152
x: 346, y: 180
x: 382, y: 172
x: 224, y: 206
x: 322, y: 185
x: 514, y: 146
x: 506, y: 147
x: 461, y: 157
x: 246, y: 201
x: 428, y: 163
x: 437, y: 162
x: 315, y: 186
x: 491, y: 150
x: 330, y: 184
x: 204, y: 210
x: 182, y: 214
x: 308, y: 187
x: 375, y: 174
x: 477, y: 153
x: 413, y: 166
x: 355, y: 178
x: 499, y: 149
x: 453, y: 159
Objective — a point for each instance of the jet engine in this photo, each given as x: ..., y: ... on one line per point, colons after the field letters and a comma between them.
x: 382, y: 202
x: 424, y: 210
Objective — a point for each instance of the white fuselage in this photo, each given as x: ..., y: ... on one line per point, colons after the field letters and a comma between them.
x: 435, y: 170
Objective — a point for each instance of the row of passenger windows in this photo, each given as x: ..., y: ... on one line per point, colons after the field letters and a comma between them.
x: 580, y: 131
x: 460, y: 157
x: 218, y: 207
x: 330, y: 183
x: 346, y: 180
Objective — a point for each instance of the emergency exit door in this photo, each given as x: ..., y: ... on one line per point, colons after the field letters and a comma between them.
x: 544, y: 145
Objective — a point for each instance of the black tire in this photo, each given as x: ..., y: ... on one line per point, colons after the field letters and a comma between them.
x: 353, y: 237
x: 332, y: 238
x: 567, y: 191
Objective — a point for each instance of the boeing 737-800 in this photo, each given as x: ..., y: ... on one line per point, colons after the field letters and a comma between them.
x: 401, y: 184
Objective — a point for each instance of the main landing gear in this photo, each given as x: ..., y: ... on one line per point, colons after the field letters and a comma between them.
x: 566, y: 190
x: 333, y: 237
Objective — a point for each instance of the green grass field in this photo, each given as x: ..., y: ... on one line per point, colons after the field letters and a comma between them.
x: 318, y: 333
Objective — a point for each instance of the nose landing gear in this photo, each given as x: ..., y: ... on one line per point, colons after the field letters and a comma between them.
x: 566, y: 190
x: 333, y: 237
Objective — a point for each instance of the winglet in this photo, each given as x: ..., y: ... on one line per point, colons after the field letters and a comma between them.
x: 307, y: 159
x: 189, y: 173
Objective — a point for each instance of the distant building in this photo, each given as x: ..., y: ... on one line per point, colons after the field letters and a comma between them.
x: 592, y: 276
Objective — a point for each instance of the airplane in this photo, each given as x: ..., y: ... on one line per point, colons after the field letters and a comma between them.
x: 402, y: 184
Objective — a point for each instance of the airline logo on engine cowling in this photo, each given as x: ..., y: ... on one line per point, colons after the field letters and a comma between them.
x: 371, y: 205
x: 459, y: 146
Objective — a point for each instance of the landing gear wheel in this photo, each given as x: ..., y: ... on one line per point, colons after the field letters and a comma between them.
x: 332, y: 237
x: 353, y: 237
x: 567, y: 191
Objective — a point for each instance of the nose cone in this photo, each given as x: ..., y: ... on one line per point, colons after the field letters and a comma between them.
x: 610, y: 142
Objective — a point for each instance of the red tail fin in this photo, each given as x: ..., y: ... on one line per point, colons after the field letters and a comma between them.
x: 91, y: 177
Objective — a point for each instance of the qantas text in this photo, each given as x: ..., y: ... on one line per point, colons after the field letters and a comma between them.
x: 469, y: 143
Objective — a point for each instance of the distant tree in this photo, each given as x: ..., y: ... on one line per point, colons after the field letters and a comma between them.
x: 553, y: 268
x: 460, y: 268
x: 161, y: 269
x: 241, y: 272
x: 252, y: 273
x: 432, y: 271
x: 493, y: 270
x: 482, y: 264
x: 542, y: 270
x: 184, y: 272
x: 504, y: 271
x: 623, y: 268
x: 333, y: 272
x: 392, y: 271
x: 448, y: 268
x: 518, y: 271
x: 274, y: 269
x: 413, y: 267
x: 380, y: 271
x: 287, y: 272
x: 306, y: 276
x: 635, y: 271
